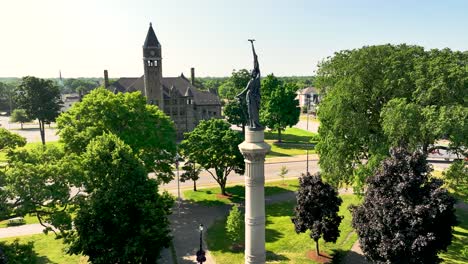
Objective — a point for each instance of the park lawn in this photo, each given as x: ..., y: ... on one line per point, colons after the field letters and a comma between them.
x: 49, y: 249
x: 461, y: 192
x: 283, y: 245
x: 28, y: 219
x: 457, y: 252
x: 211, y: 196
x: 295, y: 142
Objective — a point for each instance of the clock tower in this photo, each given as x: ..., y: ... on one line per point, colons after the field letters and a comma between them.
x: 153, y: 69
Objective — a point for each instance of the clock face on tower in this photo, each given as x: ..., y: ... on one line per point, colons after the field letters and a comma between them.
x: 152, y: 52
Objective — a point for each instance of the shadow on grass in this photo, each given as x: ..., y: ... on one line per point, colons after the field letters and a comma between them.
x: 17, y: 252
x: 289, y: 137
x: 272, y: 235
x: 281, y: 209
x: 458, y: 251
x: 213, y: 197
x: 347, y: 256
x: 271, y: 256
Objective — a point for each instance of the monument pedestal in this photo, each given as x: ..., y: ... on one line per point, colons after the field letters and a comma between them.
x: 254, y: 150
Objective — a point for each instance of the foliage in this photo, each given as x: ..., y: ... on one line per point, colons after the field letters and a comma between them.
x: 191, y: 172
x: 80, y: 85
x: 145, y: 128
x: 317, y: 209
x: 456, y: 177
x: 235, y: 84
x: 7, y: 92
x: 405, y: 216
x: 122, y: 219
x: 40, y: 179
x: 213, y: 145
x: 381, y: 96
x: 19, y: 115
x: 235, y: 225
x: 10, y: 140
x: 40, y: 99
x: 236, y: 113
x: 283, y: 171
x: 279, y: 109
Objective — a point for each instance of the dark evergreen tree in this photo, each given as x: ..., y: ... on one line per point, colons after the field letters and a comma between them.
x: 406, y: 217
x: 317, y: 209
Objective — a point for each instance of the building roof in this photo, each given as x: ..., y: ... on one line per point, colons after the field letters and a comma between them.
x: 171, y: 85
x: 308, y: 90
x: 151, y: 39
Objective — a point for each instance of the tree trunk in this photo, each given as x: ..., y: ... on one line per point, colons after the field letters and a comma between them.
x: 317, y: 247
x: 41, y: 131
x: 194, y: 186
x: 243, y: 129
x: 279, y: 135
x: 222, y: 184
x: 21, y: 125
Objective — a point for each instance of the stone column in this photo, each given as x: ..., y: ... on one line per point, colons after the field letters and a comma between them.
x: 254, y: 150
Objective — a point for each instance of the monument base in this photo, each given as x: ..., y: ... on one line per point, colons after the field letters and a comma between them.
x: 254, y: 150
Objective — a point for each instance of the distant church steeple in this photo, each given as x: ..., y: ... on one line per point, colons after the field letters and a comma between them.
x: 152, y: 63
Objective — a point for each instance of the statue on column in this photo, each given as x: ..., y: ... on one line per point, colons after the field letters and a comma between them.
x: 252, y: 94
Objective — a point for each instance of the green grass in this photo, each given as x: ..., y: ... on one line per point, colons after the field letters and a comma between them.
x: 3, y: 153
x: 49, y: 249
x: 283, y: 245
x: 210, y: 196
x: 28, y: 219
x: 457, y: 252
x: 295, y: 141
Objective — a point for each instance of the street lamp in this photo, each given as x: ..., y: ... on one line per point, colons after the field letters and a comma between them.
x: 201, y: 253
x: 177, y: 157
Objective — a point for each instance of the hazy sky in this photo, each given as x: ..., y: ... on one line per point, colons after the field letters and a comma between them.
x: 84, y: 37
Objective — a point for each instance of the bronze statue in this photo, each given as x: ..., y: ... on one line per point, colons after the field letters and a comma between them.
x: 252, y: 94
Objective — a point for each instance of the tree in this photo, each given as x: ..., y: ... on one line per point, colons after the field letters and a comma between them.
x: 213, y: 145
x: 39, y: 180
x: 456, y: 177
x: 40, y: 99
x: 378, y: 97
x: 19, y: 115
x: 283, y: 171
x: 123, y: 218
x: 235, y: 225
x: 191, y: 172
x: 236, y: 114
x: 405, y: 217
x: 279, y: 109
x: 317, y: 209
x: 145, y: 128
x: 235, y: 84
x: 10, y: 140
x: 7, y: 92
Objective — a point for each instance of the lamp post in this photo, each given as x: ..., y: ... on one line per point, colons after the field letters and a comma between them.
x: 201, y: 253
x: 177, y: 157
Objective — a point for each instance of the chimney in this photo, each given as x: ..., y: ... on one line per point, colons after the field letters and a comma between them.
x: 106, y: 79
x: 192, y: 76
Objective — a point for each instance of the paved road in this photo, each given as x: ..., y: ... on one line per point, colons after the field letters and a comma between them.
x: 30, y: 131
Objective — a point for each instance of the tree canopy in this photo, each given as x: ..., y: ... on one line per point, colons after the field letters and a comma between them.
x: 406, y: 217
x: 40, y: 99
x: 236, y: 113
x: 377, y: 97
x: 10, y: 140
x: 145, y: 128
x: 213, y: 145
x: 235, y: 84
x: 317, y: 209
x: 19, y: 115
x: 280, y: 108
x: 122, y: 218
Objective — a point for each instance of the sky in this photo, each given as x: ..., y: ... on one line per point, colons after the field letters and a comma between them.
x: 82, y: 38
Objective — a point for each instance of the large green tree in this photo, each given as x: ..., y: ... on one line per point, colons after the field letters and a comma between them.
x: 7, y: 92
x: 214, y: 146
x: 122, y: 218
x: 279, y: 108
x: 20, y: 115
x: 40, y: 99
x: 235, y: 84
x: 145, y: 128
x: 44, y: 181
x: 377, y: 97
x: 236, y: 113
